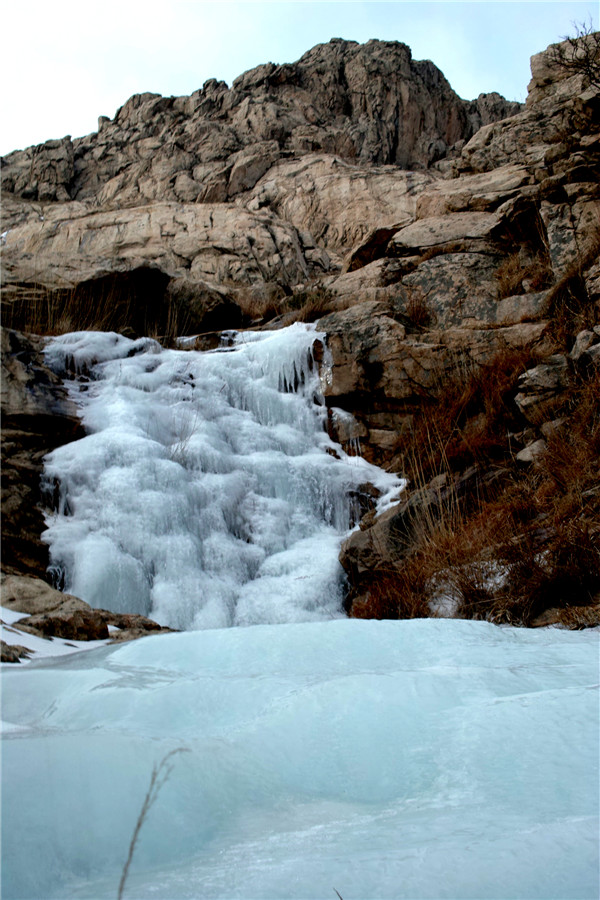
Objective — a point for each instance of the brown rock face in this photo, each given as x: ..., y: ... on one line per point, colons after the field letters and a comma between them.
x: 370, y: 102
x: 269, y: 182
x: 36, y: 417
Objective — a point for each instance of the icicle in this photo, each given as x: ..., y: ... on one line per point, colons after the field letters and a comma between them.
x: 203, y: 494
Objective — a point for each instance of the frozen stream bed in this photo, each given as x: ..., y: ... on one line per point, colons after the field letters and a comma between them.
x: 418, y: 759
x: 422, y: 759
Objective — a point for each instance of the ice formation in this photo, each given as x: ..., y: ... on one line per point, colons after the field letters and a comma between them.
x: 204, y: 495
x: 423, y: 760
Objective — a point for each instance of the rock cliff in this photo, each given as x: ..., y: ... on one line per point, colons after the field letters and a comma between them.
x: 272, y: 181
x: 438, y: 242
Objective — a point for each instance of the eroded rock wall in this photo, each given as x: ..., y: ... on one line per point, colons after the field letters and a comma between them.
x: 269, y: 182
x: 476, y: 267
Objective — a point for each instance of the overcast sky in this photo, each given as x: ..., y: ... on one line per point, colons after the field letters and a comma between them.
x: 66, y: 63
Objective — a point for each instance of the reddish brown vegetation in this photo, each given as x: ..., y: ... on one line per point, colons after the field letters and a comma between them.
x: 525, y: 541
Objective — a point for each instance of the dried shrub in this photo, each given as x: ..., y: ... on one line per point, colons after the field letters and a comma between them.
x: 261, y: 304
x: 550, y: 568
x: 511, y: 548
x: 419, y: 310
x: 487, y: 563
x: 516, y: 278
x: 465, y: 418
x: 391, y: 595
x: 579, y: 54
x: 135, y: 303
x: 446, y: 570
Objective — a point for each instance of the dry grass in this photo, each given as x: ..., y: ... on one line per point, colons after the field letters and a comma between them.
x: 310, y: 305
x: 134, y: 303
x: 260, y: 307
x: 161, y: 773
x: 465, y: 418
x: 515, y: 278
x: 392, y: 595
x: 507, y: 548
x: 419, y: 310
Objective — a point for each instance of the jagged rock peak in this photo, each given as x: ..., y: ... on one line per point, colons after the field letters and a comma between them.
x: 369, y: 103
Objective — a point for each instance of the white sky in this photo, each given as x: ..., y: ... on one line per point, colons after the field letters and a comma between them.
x: 66, y: 63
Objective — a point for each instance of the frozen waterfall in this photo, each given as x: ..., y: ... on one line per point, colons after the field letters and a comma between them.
x: 419, y: 760
x: 207, y: 492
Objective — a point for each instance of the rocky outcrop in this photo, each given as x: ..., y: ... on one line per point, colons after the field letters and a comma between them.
x: 479, y: 267
x: 381, y: 367
x: 271, y: 182
x: 298, y: 174
x: 500, y: 263
x: 36, y: 417
x: 370, y: 102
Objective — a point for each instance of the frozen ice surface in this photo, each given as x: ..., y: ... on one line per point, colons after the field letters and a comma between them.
x: 207, y: 493
x: 419, y: 759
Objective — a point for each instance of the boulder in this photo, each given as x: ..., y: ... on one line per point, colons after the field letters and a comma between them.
x: 81, y: 623
x: 31, y: 595
x: 251, y: 164
x: 532, y: 453
x: 468, y: 230
x: 51, y: 613
x: 540, y: 388
x: 13, y: 653
x: 76, y: 625
x: 583, y: 342
x: 522, y: 308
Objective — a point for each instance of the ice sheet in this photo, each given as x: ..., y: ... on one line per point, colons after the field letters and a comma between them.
x: 421, y: 759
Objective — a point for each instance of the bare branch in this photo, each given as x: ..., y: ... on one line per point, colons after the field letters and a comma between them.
x: 160, y: 774
x: 579, y: 54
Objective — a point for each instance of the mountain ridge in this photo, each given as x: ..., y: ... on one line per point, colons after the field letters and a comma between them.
x: 366, y: 102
